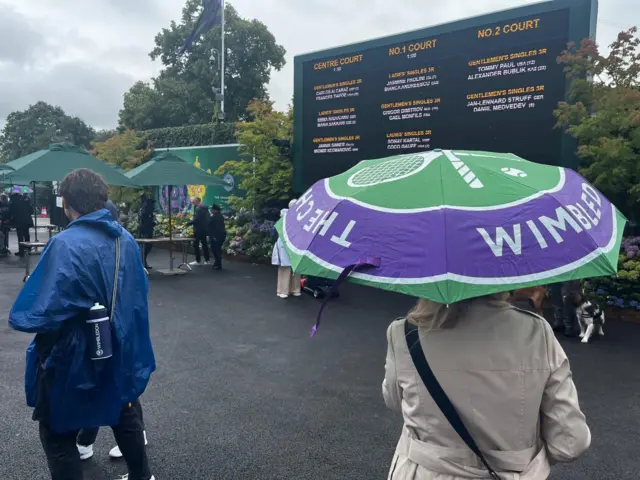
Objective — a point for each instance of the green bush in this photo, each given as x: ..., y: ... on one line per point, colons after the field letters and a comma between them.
x: 191, y: 135
x: 249, y: 237
x: 623, y: 290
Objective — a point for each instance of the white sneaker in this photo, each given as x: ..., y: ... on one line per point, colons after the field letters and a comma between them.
x: 116, y: 453
x: 195, y: 264
x: 85, y: 452
x: 207, y: 263
x: 282, y: 295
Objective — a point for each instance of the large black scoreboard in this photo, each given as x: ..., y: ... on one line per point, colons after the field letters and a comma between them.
x: 487, y: 83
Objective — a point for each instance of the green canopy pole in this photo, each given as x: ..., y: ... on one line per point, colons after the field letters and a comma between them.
x: 170, y: 230
x: 35, y: 211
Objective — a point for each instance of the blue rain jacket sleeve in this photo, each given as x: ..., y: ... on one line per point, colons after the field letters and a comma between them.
x: 53, y: 293
x: 76, y: 270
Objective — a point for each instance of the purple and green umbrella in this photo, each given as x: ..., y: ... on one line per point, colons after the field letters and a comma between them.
x: 20, y: 189
x: 449, y: 225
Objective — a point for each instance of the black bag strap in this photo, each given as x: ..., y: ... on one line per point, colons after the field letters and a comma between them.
x: 114, y: 294
x: 439, y: 396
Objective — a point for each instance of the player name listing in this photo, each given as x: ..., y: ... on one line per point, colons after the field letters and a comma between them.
x: 410, y: 79
x: 337, y: 118
x: 342, y: 144
x: 332, y: 91
x: 411, y: 140
x: 518, y: 63
x: 502, y: 100
x: 410, y: 109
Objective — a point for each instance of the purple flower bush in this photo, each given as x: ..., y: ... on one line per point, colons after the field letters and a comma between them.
x: 249, y: 236
x: 623, y: 290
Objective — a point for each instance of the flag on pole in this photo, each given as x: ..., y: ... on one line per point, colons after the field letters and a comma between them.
x: 211, y: 15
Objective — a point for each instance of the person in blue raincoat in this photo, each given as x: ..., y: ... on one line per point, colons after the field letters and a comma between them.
x: 67, y: 390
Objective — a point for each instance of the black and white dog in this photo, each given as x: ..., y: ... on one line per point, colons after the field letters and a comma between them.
x: 590, y: 318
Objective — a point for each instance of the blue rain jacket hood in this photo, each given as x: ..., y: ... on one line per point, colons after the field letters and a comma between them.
x: 75, y: 271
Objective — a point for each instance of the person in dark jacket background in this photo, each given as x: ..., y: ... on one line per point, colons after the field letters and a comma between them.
x: 5, y: 222
x: 20, y: 211
x: 200, y: 225
x: 564, y: 297
x: 146, y: 224
x: 218, y: 232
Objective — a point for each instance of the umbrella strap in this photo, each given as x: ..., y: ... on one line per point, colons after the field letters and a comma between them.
x: 362, y: 264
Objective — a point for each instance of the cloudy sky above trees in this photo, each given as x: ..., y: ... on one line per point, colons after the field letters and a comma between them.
x: 83, y: 55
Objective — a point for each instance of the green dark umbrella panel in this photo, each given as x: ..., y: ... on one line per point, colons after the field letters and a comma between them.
x: 57, y: 161
x: 168, y: 169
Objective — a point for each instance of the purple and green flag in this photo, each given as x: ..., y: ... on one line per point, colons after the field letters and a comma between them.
x: 449, y: 225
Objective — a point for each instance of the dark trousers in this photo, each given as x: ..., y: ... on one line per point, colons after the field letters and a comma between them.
x: 23, y: 236
x: 147, y: 246
x: 201, y: 239
x: 5, y: 231
x: 63, y: 458
x: 564, y: 312
x: 216, y: 249
x: 87, y: 436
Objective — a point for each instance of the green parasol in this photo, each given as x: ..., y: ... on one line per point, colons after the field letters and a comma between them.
x: 57, y: 161
x: 169, y: 169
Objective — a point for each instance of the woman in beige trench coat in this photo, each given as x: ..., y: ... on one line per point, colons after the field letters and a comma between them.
x: 507, y: 376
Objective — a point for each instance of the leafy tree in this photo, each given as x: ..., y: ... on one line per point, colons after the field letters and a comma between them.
x: 125, y: 151
x: 182, y: 94
x: 39, y: 126
x: 603, y: 113
x: 165, y: 102
x: 267, y: 179
x: 105, y: 134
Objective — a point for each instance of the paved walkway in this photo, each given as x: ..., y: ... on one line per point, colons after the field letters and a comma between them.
x: 242, y: 393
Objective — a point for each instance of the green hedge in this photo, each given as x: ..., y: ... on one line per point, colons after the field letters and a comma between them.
x: 191, y: 135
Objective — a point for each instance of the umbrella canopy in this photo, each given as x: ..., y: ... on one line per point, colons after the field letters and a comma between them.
x: 19, y: 189
x: 449, y: 225
x: 169, y: 169
x: 57, y: 161
x: 4, y: 171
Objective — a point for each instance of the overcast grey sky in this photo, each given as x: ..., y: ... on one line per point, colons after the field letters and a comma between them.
x: 83, y: 55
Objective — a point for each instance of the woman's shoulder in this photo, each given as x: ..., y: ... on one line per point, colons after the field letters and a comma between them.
x: 519, y: 316
x: 396, y: 329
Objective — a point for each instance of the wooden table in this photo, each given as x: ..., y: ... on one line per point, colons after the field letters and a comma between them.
x: 27, y: 258
x: 184, y: 242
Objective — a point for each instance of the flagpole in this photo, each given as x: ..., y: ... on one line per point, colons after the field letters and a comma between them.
x: 222, y: 56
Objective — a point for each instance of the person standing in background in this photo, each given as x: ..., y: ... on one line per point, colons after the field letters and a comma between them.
x: 288, y: 282
x: 5, y: 221
x: 218, y: 232
x: 200, y: 225
x: 564, y: 297
x: 146, y: 224
x: 20, y: 212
